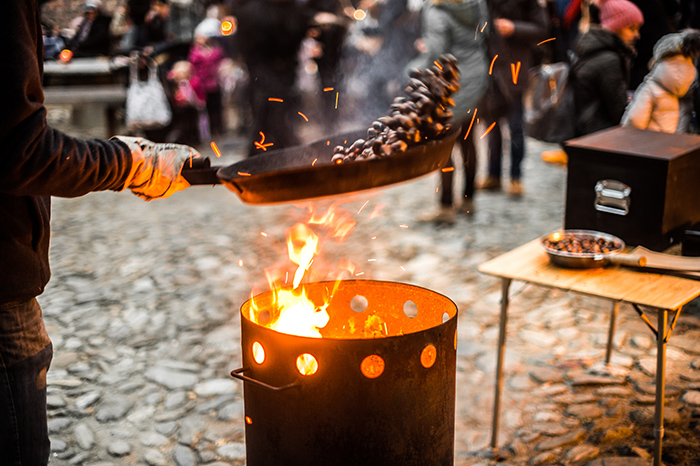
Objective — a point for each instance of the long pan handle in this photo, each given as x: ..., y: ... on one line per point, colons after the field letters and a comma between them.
x: 631, y: 260
x: 198, y: 171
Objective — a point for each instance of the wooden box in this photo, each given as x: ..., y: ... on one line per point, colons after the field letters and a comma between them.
x: 643, y: 186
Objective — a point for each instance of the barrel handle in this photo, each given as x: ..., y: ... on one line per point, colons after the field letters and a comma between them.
x: 237, y: 373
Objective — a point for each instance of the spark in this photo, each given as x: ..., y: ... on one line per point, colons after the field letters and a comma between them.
x: 359, y: 15
x: 476, y: 31
x: 403, y: 226
x: 328, y: 143
x: 274, y: 99
x: 215, y: 148
x: 447, y: 169
x: 314, y: 162
x: 385, y: 330
x: 515, y: 70
x: 471, y: 124
x: 363, y: 206
x: 546, y: 40
x: 437, y: 65
x: 371, y: 260
x: 492, y: 62
x: 260, y: 144
x: 374, y: 237
x: 336, y: 101
x: 401, y: 266
x: 488, y: 130
x: 327, y: 89
x: 262, y: 233
x: 484, y: 26
x: 244, y: 174
x: 358, y: 274
x: 240, y: 263
x: 189, y: 158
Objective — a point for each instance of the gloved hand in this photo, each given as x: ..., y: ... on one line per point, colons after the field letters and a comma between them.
x: 155, y: 171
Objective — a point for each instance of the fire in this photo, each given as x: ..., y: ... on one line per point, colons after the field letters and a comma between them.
x: 293, y: 311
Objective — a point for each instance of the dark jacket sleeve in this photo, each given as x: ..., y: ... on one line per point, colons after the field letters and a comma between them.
x: 35, y: 159
x: 611, y: 82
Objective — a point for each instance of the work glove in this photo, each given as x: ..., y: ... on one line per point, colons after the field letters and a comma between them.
x: 155, y: 171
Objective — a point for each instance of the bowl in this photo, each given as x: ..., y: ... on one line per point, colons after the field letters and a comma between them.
x: 581, y: 249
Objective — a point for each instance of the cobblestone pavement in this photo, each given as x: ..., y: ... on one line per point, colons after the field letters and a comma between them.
x: 143, y: 313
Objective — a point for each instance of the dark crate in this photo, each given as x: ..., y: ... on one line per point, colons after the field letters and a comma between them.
x: 662, y: 172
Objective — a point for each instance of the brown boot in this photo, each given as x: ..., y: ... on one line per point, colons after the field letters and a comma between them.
x: 491, y: 183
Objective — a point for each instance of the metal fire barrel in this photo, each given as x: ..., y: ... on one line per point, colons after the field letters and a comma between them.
x: 384, y: 389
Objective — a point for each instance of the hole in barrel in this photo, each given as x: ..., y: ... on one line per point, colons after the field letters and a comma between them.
x: 372, y: 366
x: 359, y: 304
x: 410, y: 309
x: 428, y: 356
x: 258, y: 353
x: 445, y: 317
x: 307, y: 364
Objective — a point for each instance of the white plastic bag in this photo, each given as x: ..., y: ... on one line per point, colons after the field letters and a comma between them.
x: 147, y: 106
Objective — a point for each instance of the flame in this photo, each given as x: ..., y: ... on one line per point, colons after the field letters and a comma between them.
x: 292, y: 310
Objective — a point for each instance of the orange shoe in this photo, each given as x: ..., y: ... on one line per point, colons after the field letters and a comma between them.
x: 558, y: 157
x: 516, y: 188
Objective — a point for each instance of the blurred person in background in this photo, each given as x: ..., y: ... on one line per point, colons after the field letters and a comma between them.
x: 601, y: 72
x: 38, y: 162
x: 92, y: 37
x: 206, y: 56
x: 662, y: 102
x: 516, y: 27
x: 269, y: 36
x: 448, y: 28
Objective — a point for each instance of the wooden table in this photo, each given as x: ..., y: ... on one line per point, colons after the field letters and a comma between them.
x: 663, y: 293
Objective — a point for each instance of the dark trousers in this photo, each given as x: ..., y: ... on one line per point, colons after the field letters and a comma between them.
x: 517, y: 143
x: 24, y: 437
x: 215, y: 112
x: 468, y: 150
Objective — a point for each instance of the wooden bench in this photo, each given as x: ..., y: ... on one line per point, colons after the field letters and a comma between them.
x: 109, y: 97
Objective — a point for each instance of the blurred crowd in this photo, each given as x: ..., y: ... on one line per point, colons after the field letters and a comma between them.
x: 264, y: 66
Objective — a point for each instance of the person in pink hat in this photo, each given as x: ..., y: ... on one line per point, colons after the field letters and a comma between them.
x: 601, y: 71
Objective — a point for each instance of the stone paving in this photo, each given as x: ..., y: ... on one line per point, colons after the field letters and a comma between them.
x: 143, y: 313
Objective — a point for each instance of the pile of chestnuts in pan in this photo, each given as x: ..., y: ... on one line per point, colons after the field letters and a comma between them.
x: 423, y: 114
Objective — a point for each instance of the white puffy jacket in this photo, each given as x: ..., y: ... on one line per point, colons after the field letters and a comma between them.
x: 655, y: 105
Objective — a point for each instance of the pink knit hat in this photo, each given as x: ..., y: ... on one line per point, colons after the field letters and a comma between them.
x: 618, y: 14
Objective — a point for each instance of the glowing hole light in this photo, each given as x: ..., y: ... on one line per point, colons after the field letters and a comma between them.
x: 65, y: 55
x: 372, y: 366
x: 258, y: 353
x: 227, y: 27
x: 307, y: 364
x: 428, y: 356
x: 359, y: 15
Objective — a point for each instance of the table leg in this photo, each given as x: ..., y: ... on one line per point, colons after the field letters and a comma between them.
x: 611, y: 331
x: 505, y: 285
x: 660, y: 384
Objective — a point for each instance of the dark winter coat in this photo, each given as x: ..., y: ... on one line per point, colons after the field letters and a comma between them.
x: 449, y: 27
x: 37, y: 161
x: 97, y: 42
x: 601, y: 76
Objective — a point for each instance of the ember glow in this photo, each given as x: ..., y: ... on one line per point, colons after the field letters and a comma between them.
x: 515, y: 70
x: 261, y: 144
x: 492, y: 62
x: 227, y: 27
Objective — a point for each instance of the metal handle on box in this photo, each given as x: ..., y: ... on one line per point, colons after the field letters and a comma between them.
x: 237, y: 373
x: 612, y: 197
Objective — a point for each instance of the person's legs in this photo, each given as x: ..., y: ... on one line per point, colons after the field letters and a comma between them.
x: 517, y: 138
x: 469, y: 158
x: 446, y: 180
x: 25, y: 356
